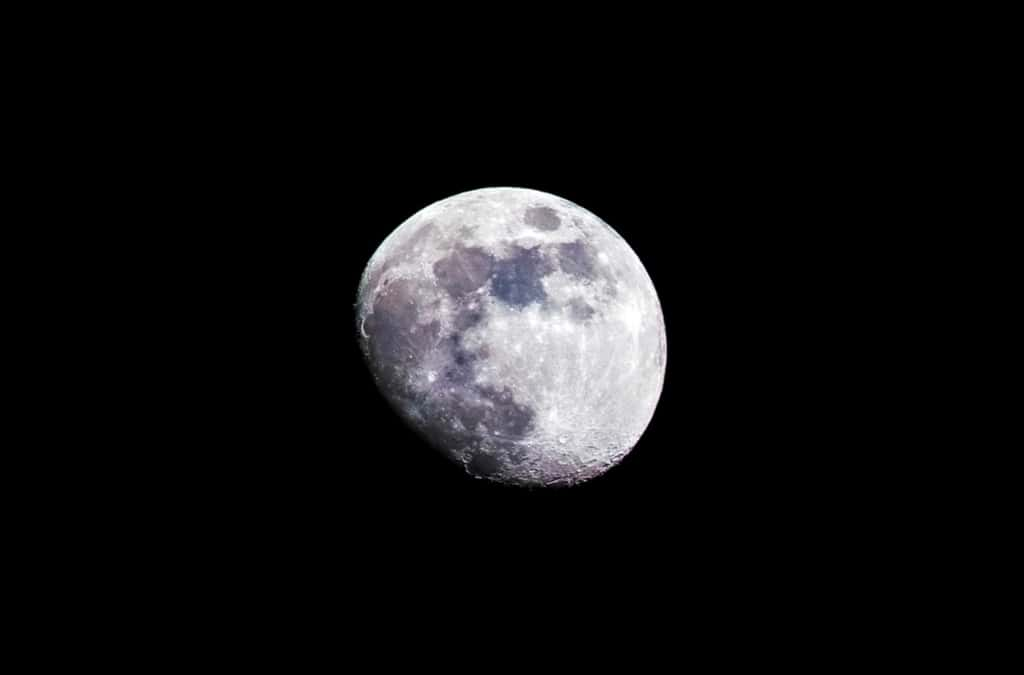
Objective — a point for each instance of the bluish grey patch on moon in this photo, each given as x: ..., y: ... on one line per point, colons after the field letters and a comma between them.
x: 464, y: 270
x: 543, y: 218
x: 579, y: 310
x: 468, y: 317
x: 461, y: 367
x: 394, y: 325
x: 577, y: 258
x: 517, y: 278
x: 399, y: 339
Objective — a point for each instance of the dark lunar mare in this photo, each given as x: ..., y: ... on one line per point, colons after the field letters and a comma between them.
x: 464, y: 270
x: 457, y: 411
x: 468, y: 317
x: 507, y: 417
x: 460, y: 370
x: 517, y: 279
x: 542, y: 218
x: 397, y: 341
x: 577, y: 259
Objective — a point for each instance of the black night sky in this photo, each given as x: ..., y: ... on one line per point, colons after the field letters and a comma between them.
x: 726, y: 195
x: 723, y: 212
x: 259, y: 484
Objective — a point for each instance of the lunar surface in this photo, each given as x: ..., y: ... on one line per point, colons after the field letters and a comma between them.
x: 517, y: 333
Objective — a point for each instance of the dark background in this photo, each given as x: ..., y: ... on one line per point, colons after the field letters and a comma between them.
x: 737, y: 179
x: 728, y: 203
x: 228, y: 178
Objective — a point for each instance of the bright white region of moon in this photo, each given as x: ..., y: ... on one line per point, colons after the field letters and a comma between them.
x: 517, y: 333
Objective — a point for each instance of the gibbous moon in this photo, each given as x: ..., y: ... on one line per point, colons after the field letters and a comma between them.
x: 518, y: 333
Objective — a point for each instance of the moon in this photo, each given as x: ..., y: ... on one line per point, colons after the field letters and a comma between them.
x: 517, y: 333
